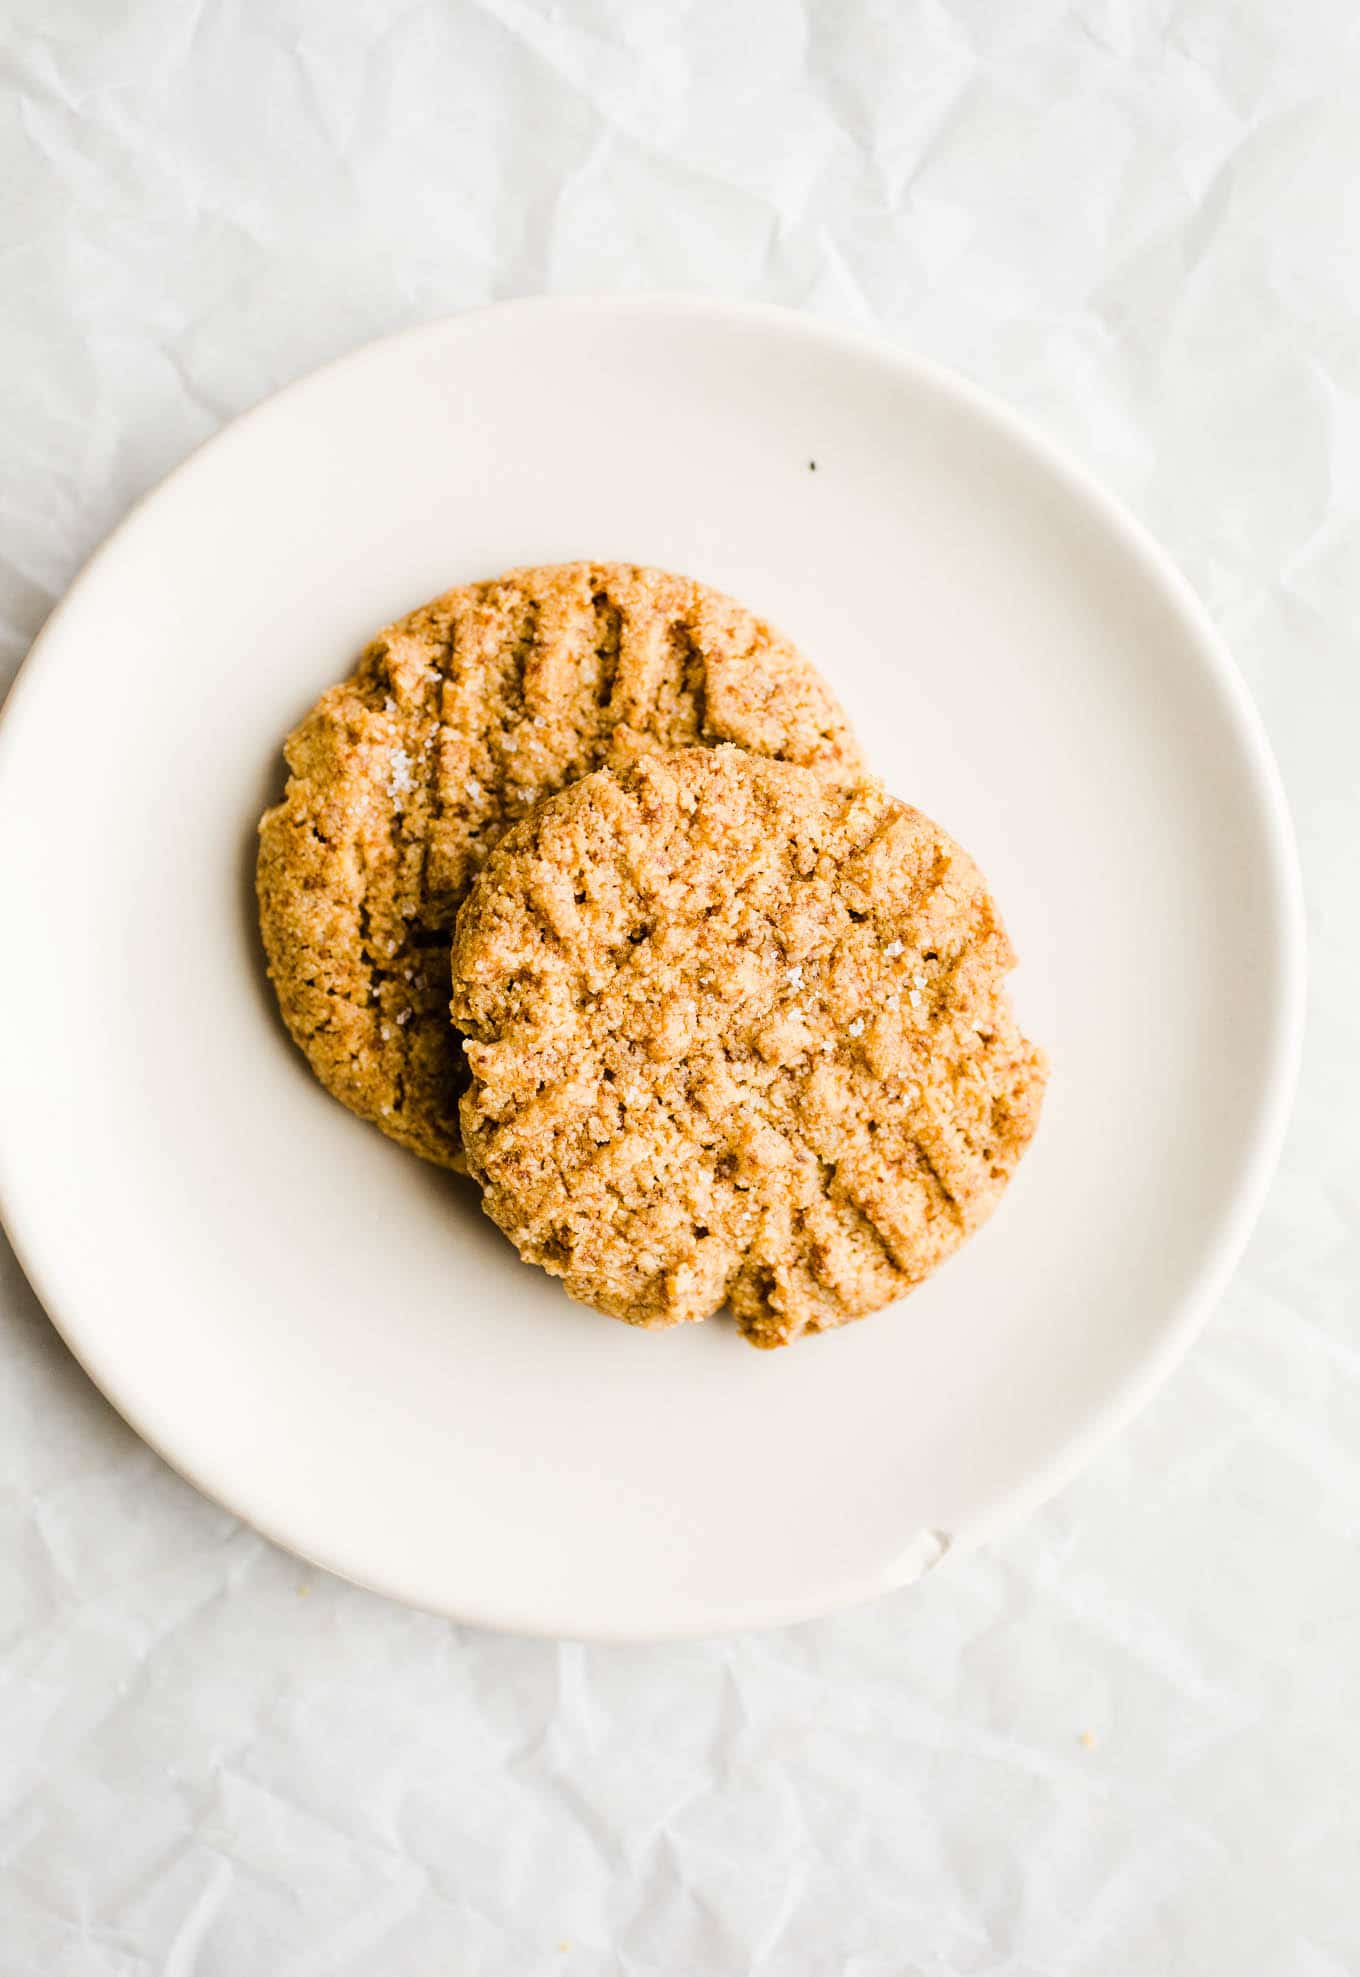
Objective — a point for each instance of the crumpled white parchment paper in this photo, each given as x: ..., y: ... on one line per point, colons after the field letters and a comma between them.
x: 1126, y: 1740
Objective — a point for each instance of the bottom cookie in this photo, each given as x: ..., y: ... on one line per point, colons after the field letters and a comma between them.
x: 737, y: 1037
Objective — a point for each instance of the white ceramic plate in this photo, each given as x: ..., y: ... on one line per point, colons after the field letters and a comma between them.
x: 328, y: 1336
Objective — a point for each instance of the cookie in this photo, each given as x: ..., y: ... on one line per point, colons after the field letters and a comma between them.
x: 737, y: 1036
x: 458, y: 719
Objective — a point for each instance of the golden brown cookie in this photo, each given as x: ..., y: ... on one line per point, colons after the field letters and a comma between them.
x: 458, y: 719
x: 737, y: 1035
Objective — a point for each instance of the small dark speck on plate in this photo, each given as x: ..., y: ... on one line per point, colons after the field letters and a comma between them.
x: 812, y: 466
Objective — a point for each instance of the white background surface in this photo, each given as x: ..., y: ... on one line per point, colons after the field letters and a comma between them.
x: 1124, y: 1741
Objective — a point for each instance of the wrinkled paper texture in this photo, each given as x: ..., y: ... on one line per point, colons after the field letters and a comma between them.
x: 1125, y: 1740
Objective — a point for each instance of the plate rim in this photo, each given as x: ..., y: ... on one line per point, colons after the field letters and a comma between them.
x: 1225, y: 1240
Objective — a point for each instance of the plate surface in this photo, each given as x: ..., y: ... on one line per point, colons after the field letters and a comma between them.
x: 328, y: 1336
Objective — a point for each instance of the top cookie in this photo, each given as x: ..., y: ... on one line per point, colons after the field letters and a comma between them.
x: 458, y: 719
x: 737, y: 1036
